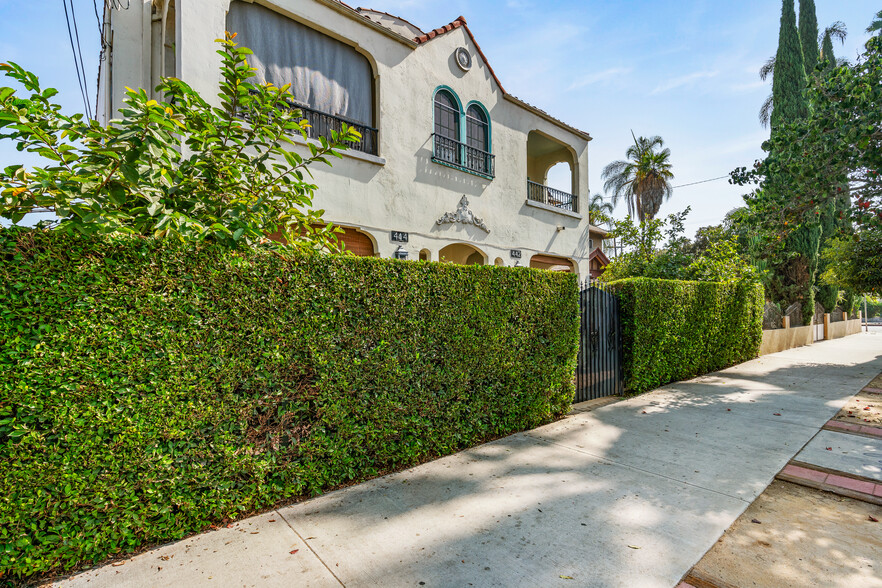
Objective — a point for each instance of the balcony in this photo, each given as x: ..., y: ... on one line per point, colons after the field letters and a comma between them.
x: 321, y: 124
x: 461, y: 156
x: 551, y: 197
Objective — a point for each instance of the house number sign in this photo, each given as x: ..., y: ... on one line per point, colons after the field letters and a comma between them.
x: 400, y: 237
x: 515, y: 253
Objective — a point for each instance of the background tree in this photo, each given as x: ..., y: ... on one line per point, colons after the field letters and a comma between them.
x: 643, y: 180
x: 836, y: 31
x: 789, y: 79
x: 876, y: 25
x: 180, y: 168
x: 599, y: 210
x: 808, y: 35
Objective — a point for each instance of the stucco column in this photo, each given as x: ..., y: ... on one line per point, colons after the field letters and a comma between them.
x: 826, y: 325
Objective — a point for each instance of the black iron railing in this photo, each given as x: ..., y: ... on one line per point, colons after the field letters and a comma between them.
x: 550, y: 196
x: 453, y: 152
x: 321, y: 124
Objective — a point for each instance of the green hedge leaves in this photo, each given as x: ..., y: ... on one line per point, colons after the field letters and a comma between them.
x: 149, y: 389
x: 675, y: 330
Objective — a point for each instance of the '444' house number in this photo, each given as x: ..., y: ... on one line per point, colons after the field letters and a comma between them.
x: 399, y: 237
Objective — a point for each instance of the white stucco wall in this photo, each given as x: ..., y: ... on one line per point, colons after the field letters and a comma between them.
x: 402, y: 189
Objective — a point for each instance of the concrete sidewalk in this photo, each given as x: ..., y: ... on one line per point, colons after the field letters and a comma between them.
x: 630, y: 494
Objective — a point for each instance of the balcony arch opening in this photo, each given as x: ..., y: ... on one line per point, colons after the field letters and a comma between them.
x: 462, y: 254
x: 552, y: 174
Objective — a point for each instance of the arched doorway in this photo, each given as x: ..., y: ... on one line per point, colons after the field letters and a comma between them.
x: 357, y: 242
x: 462, y: 254
x: 551, y: 263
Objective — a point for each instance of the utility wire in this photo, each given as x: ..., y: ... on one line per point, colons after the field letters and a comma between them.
x: 701, y: 182
x: 82, y: 63
x: 80, y: 77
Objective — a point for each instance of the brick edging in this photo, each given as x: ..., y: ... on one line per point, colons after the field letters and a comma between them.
x: 843, y: 485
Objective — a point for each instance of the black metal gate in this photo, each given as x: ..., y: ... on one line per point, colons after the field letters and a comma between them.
x: 599, y: 367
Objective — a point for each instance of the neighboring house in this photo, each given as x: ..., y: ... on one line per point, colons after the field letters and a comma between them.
x: 450, y: 166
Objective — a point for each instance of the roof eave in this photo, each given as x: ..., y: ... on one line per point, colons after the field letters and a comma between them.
x: 352, y: 13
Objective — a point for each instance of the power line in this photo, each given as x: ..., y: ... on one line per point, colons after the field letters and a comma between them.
x: 82, y: 63
x: 701, y: 182
x: 81, y: 74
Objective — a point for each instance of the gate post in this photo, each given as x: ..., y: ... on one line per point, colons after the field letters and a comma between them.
x: 826, y: 326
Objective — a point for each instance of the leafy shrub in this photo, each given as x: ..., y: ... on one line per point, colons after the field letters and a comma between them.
x: 673, y: 330
x: 179, y: 168
x: 149, y: 389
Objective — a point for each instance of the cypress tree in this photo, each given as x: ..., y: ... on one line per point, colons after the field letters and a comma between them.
x: 789, y: 82
x: 827, y: 52
x: 808, y: 34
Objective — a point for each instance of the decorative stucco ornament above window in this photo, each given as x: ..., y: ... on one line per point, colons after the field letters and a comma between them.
x: 463, y: 58
x: 463, y: 216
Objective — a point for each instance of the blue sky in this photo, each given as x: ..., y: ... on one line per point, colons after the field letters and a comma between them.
x: 682, y: 69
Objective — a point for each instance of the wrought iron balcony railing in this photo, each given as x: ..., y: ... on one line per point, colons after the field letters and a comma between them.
x: 321, y: 124
x: 457, y: 154
x: 550, y: 196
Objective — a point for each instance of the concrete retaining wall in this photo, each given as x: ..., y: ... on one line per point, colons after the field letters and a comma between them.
x: 775, y: 340
x: 782, y: 339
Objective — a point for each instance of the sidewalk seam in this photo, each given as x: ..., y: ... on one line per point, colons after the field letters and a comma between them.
x: 309, y: 547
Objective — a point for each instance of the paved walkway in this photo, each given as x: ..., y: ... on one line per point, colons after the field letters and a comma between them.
x: 630, y: 494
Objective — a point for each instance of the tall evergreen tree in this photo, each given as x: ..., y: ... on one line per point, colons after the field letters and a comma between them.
x: 808, y: 34
x: 838, y: 31
x: 827, y: 52
x: 789, y: 80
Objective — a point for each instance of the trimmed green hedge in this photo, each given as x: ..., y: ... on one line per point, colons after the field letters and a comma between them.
x: 149, y: 390
x: 675, y: 330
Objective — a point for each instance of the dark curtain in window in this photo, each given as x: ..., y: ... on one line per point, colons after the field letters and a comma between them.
x: 324, y: 73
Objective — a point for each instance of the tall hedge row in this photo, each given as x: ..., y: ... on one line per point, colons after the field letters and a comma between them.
x: 149, y: 390
x: 675, y: 330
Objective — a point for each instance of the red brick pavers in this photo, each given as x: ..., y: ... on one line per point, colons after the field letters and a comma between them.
x: 854, y: 428
x: 860, y: 489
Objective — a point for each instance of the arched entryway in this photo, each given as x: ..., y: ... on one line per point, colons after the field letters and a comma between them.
x: 462, y: 254
x: 355, y: 241
x: 551, y: 263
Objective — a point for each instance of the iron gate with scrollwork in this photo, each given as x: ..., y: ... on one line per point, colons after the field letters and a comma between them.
x: 599, y: 367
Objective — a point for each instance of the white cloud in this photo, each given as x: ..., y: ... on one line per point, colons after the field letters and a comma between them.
x: 601, y: 76
x: 684, y: 81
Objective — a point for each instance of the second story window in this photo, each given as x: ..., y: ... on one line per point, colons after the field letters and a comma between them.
x: 477, y: 140
x: 461, y: 139
x: 447, y: 115
x: 331, y: 82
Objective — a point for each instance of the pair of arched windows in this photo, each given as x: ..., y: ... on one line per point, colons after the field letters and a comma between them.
x: 462, y: 139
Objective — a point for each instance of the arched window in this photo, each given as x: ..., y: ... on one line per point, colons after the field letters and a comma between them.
x: 447, y: 116
x: 477, y: 140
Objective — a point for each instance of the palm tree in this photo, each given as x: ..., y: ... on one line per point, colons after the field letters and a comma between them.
x: 643, y: 181
x: 876, y: 25
x: 599, y: 210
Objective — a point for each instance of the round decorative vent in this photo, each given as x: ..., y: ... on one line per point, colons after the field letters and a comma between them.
x: 463, y: 58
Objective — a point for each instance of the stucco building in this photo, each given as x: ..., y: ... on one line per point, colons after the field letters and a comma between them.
x: 450, y: 167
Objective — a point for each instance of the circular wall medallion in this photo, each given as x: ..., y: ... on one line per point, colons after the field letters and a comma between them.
x: 463, y: 58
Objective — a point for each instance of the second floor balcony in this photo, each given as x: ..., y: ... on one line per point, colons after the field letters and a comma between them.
x: 462, y: 156
x: 321, y: 124
x: 551, y: 197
